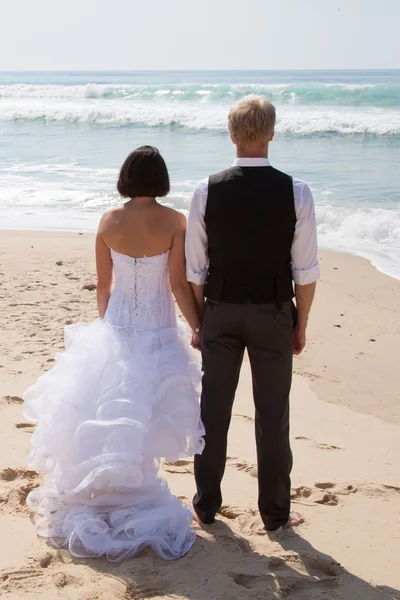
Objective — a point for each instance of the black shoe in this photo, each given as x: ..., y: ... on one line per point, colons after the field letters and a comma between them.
x: 206, y: 518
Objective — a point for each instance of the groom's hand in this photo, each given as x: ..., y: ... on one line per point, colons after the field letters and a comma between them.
x: 196, y: 341
x: 299, y: 340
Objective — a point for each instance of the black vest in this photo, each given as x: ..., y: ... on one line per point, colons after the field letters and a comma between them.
x: 250, y: 221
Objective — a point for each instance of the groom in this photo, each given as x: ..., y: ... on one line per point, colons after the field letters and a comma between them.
x: 251, y: 233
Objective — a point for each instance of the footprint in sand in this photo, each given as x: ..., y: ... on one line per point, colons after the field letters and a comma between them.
x: 244, y: 417
x: 27, y: 426
x: 225, y: 536
x: 242, y: 465
x: 14, y: 579
x: 323, y: 493
x: 291, y: 574
x: 319, y: 445
x: 230, y: 512
x: 71, y: 277
x: 309, y: 497
x: 61, y: 580
x: 251, y: 524
x: 305, y: 564
x: 248, y: 521
x: 139, y: 591
x: 307, y: 374
x: 23, y: 579
x: 323, y: 446
x: 180, y: 466
x: 10, y: 474
x: 13, y: 499
x: 245, y: 581
x: 13, y: 400
x: 373, y: 490
x: 329, y: 499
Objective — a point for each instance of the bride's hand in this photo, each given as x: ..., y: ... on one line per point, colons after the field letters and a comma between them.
x: 196, y: 341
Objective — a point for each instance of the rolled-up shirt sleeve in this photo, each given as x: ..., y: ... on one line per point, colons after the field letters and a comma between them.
x: 305, y: 267
x: 196, y: 237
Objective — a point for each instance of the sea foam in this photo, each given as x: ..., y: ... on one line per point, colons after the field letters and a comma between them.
x: 210, y: 117
x: 300, y: 93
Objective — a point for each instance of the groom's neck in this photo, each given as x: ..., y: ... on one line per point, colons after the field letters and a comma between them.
x: 252, y: 151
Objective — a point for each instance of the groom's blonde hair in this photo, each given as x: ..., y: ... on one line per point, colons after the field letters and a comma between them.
x: 252, y: 119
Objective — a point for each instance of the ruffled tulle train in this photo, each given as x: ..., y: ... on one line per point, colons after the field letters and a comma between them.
x: 114, y: 404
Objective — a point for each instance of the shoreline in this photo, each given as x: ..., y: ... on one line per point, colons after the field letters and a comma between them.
x: 373, y: 258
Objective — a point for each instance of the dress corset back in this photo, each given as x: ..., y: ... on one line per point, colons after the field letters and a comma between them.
x: 142, y: 298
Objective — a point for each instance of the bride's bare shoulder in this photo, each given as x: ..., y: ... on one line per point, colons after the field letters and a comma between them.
x: 176, y: 218
x: 110, y: 220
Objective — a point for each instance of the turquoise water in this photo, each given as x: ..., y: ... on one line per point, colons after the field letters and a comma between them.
x: 63, y: 137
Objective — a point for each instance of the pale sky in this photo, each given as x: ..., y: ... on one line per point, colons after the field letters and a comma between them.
x: 201, y: 34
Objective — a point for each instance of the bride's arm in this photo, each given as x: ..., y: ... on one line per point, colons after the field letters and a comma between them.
x: 104, y: 273
x: 177, y: 272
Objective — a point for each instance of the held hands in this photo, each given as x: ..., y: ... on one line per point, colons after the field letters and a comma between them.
x: 299, y: 340
x: 196, y: 341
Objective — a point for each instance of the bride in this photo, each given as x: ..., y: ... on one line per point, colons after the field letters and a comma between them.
x: 125, y: 391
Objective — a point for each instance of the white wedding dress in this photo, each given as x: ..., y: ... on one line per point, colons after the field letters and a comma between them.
x: 124, y: 394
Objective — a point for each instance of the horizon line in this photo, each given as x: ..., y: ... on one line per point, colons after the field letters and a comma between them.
x: 190, y: 70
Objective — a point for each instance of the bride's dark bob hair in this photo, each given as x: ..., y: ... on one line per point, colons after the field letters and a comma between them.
x: 144, y: 173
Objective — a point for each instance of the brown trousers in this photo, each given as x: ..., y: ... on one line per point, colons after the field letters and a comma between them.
x: 267, y: 333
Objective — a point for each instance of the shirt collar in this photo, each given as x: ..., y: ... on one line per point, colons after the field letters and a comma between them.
x: 251, y: 162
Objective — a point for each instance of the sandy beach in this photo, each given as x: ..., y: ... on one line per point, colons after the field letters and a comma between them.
x: 345, y: 437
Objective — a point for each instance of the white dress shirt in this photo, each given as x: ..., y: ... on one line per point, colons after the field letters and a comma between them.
x: 305, y: 267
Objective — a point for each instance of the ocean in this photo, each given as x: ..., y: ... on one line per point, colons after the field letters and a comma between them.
x: 64, y: 136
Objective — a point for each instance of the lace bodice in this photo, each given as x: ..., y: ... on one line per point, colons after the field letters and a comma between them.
x: 142, y: 299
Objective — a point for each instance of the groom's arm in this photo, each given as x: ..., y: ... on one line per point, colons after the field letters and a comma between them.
x: 196, y: 245
x: 305, y: 267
